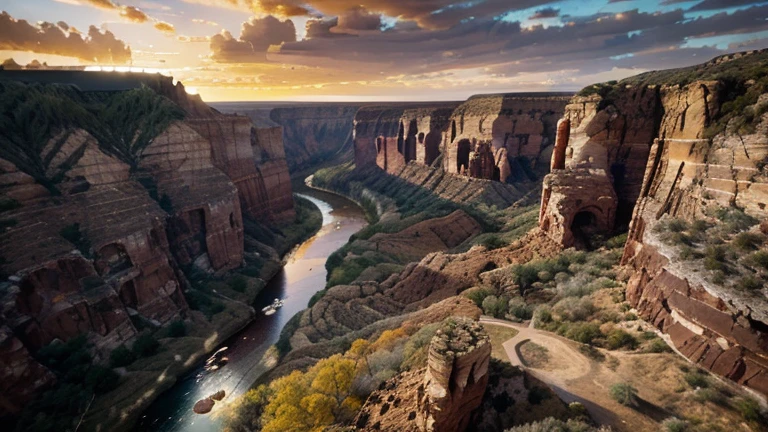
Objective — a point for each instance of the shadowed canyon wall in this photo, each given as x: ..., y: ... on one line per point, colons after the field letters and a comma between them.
x: 665, y: 145
x: 110, y: 240
x: 310, y: 132
x: 485, y: 137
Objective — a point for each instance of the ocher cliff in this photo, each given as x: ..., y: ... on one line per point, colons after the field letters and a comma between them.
x: 101, y: 210
x: 685, y: 149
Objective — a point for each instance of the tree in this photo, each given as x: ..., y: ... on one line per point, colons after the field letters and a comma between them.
x: 245, y: 414
x: 624, y: 394
x: 359, y: 353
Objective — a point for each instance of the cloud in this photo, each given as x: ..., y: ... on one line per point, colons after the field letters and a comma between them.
x: 202, y: 21
x: 359, y: 18
x: 707, y: 5
x: 49, y: 38
x: 428, y: 13
x: 133, y: 14
x: 548, y: 12
x: 321, y: 28
x: 256, y: 36
x: 165, y: 27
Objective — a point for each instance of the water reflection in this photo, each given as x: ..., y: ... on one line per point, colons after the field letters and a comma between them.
x: 303, y: 275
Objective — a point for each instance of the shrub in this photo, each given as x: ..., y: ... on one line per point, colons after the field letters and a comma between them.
x: 673, y: 424
x: 658, y: 345
x: 145, y: 345
x: 493, y: 242
x: 714, y: 258
x: 551, y: 424
x: 758, y: 259
x: 624, y: 394
x: 747, y: 241
x: 616, y: 242
x: 519, y: 309
x: 495, y: 306
x: 710, y: 395
x: 749, y: 283
x: 585, y: 333
x: 574, y: 309
x: 542, y: 314
x: 677, y: 225
x: 619, y: 338
x: 121, y: 356
x: 477, y: 295
x: 749, y: 409
x: 735, y: 219
x: 177, y: 329
x: 696, y: 379
x: 238, y: 283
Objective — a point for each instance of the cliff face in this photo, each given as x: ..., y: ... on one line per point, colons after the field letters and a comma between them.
x: 684, y: 144
x: 98, y: 236
x: 444, y: 396
x: 480, y: 138
x: 311, y: 132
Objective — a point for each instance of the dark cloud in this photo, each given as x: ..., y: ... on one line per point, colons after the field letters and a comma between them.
x: 256, y: 36
x: 359, y: 19
x: 548, y: 12
x: 589, y: 44
x: 321, y: 28
x: 707, y: 5
x: 49, y: 38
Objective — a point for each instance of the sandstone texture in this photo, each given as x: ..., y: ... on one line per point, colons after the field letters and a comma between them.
x: 310, y: 132
x: 482, y: 138
x: 442, y: 397
x: 664, y: 145
x: 111, y: 242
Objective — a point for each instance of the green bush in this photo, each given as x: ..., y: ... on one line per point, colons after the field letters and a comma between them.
x: 121, y: 356
x: 520, y: 309
x: 619, y: 338
x: 477, y: 295
x: 493, y: 242
x: 177, y: 329
x: 749, y: 409
x: 748, y: 241
x: 714, y: 258
x: 625, y: 394
x: 585, y: 333
x: 674, y: 425
x: 696, y: 379
x: 758, y: 260
x: 735, y: 219
x: 495, y: 306
x: 657, y: 346
x: 710, y: 395
x: 145, y: 345
x: 749, y: 283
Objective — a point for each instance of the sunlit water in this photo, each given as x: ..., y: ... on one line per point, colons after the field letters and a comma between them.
x: 303, y: 275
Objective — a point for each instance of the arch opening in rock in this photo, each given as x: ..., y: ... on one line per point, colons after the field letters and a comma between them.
x: 431, y: 147
x: 410, y: 142
x: 401, y: 138
x: 584, y: 227
x: 463, y: 149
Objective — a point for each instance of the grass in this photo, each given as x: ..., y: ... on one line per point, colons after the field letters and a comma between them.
x: 499, y: 334
x: 534, y: 355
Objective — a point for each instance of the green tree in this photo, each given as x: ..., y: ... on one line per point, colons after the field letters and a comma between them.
x: 624, y: 394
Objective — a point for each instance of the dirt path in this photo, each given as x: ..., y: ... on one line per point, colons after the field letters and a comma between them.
x: 577, y: 378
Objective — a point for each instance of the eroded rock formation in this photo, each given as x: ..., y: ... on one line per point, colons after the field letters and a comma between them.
x: 442, y: 397
x: 653, y: 148
x: 110, y: 239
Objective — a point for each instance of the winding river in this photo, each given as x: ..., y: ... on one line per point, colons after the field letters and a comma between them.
x: 303, y: 275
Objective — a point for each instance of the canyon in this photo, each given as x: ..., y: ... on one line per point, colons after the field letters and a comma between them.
x: 520, y: 198
x: 104, y: 245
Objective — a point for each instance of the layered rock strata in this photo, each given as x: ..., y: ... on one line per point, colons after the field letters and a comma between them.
x: 656, y: 148
x: 442, y: 397
x: 110, y: 244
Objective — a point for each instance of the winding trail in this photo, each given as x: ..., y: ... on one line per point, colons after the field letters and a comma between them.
x: 575, y: 377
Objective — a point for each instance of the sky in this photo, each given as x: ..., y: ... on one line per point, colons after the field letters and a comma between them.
x: 380, y: 50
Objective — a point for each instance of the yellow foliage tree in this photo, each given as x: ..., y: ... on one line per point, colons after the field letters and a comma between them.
x: 388, y: 339
x: 313, y: 400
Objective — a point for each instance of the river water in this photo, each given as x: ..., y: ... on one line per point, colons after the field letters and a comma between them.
x: 303, y: 275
